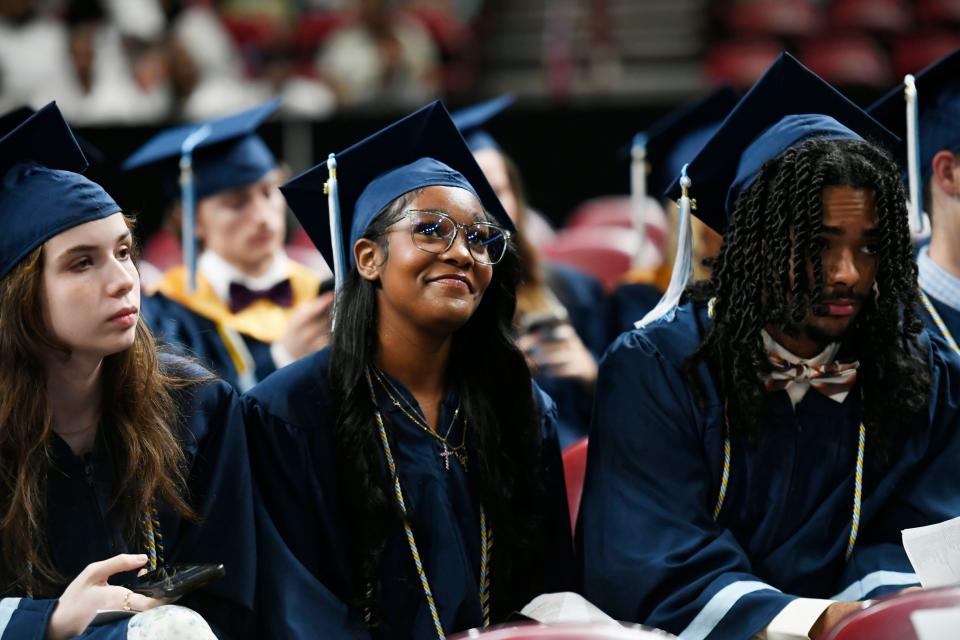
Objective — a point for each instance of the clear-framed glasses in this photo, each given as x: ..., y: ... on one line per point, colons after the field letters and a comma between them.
x: 435, y: 232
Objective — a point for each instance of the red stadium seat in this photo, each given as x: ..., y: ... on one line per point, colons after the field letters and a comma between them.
x: 938, y: 12
x: 848, y: 60
x: 740, y: 63
x: 614, y: 211
x: 537, y: 631
x: 774, y: 17
x: 884, y: 16
x: 162, y: 250
x: 574, y: 473
x: 889, y: 618
x: 914, y: 52
x: 606, y: 253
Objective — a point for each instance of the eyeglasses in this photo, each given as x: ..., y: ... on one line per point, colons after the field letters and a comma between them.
x: 435, y: 232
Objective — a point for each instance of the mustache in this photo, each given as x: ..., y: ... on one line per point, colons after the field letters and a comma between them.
x: 846, y: 295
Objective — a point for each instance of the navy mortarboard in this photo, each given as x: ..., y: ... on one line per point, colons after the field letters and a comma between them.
x: 788, y: 105
x: 43, y: 192
x: 423, y: 149
x: 472, y: 120
x: 938, y: 101
x: 677, y: 137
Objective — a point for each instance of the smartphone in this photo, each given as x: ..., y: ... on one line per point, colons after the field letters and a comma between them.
x: 172, y: 582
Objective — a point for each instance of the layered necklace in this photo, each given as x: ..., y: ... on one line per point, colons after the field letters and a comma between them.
x: 486, y: 533
x: 447, y: 450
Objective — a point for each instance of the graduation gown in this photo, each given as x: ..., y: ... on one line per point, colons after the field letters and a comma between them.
x: 306, y: 579
x: 628, y: 303
x: 651, y: 550
x: 83, y: 527
x: 585, y: 302
x: 949, y: 315
x: 196, y: 324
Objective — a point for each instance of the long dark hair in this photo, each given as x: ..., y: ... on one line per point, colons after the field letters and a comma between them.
x: 773, y: 233
x: 496, y: 393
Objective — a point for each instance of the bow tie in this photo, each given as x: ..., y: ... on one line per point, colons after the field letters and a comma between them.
x: 241, y: 297
x: 833, y: 380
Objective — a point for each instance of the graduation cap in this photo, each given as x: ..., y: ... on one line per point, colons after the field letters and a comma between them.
x: 42, y: 192
x: 229, y: 153
x: 937, y: 94
x: 676, y: 138
x: 423, y: 149
x: 200, y: 160
x: 471, y: 120
x: 788, y: 105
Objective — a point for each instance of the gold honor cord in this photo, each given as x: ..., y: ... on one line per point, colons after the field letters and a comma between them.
x: 486, y: 535
x: 857, y: 477
x: 937, y: 320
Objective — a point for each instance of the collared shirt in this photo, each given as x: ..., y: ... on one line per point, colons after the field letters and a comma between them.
x: 937, y: 281
x: 796, y: 390
x: 220, y: 273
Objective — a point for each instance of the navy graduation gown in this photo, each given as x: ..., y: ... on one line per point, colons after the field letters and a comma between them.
x: 194, y: 335
x: 651, y: 550
x: 306, y: 579
x: 628, y: 303
x: 949, y: 315
x: 83, y: 527
x: 585, y: 302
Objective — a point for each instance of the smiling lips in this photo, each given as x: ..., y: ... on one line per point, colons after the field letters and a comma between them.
x: 842, y: 307
x: 454, y: 280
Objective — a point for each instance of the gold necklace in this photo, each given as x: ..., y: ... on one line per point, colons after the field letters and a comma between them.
x: 447, y: 450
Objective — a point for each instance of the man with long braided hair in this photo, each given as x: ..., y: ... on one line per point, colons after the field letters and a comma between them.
x: 756, y: 451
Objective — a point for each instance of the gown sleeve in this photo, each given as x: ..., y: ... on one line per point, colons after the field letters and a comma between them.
x: 651, y: 550
x: 296, y: 549
x: 925, y: 488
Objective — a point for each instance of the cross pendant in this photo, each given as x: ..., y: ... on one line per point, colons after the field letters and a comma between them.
x: 445, y: 454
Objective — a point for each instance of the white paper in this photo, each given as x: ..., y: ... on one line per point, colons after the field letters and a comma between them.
x: 934, y: 552
x: 565, y: 607
x: 935, y: 624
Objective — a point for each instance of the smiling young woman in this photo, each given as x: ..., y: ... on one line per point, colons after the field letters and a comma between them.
x: 389, y: 463
x: 101, y: 439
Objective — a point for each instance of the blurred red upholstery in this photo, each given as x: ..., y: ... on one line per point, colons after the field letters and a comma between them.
x: 914, y: 52
x: 606, y: 253
x: 889, y: 618
x: 848, y: 60
x: 740, y: 63
x: 774, y: 17
x: 936, y: 12
x: 574, y: 473
x: 887, y: 16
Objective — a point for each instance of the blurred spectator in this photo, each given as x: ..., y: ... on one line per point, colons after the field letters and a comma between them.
x: 382, y: 56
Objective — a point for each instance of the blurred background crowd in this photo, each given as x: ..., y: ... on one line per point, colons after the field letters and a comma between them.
x: 587, y: 74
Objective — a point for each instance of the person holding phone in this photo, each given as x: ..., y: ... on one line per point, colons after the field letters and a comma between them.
x: 409, y: 476
x: 248, y: 309
x: 113, y: 460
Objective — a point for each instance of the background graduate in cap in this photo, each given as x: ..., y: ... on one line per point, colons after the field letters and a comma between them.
x: 243, y: 306
x: 936, y: 174
x: 756, y: 452
x: 560, y: 317
x: 668, y: 144
x: 113, y: 459
x: 409, y: 476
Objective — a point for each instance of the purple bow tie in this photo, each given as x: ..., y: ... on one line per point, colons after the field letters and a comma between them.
x: 241, y: 297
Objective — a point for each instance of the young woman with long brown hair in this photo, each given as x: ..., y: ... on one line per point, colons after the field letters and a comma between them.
x: 113, y: 459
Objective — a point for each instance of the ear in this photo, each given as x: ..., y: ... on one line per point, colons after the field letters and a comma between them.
x: 946, y: 172
x: 369, y: 258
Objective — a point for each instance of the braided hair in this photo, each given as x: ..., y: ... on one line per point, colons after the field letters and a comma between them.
x: 768, y: 273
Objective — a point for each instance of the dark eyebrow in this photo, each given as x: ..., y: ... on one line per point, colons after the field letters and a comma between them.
x: 86, y: 248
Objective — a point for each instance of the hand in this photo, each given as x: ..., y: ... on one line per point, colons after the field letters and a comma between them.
x: 89, y: 591
x: 560, y: 354
x: 308, y: 328
x: 831, y: 616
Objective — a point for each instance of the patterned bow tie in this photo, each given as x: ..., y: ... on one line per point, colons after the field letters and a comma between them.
x: 833, y: 380
x: 241, y: 297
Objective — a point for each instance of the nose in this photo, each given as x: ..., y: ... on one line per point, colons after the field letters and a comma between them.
x: 122, y: 277
x: 458, y: 252
x: 840, y: 270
